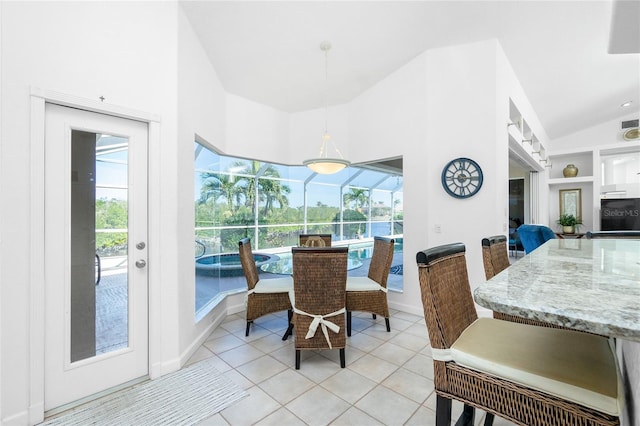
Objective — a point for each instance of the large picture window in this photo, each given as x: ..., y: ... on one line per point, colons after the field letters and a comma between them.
x: 272, y: 204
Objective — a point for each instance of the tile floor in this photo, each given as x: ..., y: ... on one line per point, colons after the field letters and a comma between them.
x: 388, y: 379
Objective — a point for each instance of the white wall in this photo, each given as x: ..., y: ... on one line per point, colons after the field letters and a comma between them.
x: 389, y: 120
x: 2, y: 206
x: 444, y: 104
x: 509, y: 86
x: 202, y: 114
x: 584, y: 150
x: 601, y: 134
x: 463, y: 109
x: 123, y: 51
x: 306, y: 130
x: 255, y: 131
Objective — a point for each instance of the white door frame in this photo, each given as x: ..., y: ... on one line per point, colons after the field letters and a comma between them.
x: 36, y: 248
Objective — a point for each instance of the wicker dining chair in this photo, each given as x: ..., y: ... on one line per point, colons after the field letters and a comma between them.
x: 525, y: 374
x: 314, y: 240
x: 263, y: 296
x: 633, y: 235
x: 369, y: 294
x: 318, y: 299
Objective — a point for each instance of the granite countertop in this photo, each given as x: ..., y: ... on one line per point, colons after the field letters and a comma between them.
x: 589, y: 285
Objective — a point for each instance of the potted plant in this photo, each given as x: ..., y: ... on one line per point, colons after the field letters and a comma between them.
x: 569, y: 223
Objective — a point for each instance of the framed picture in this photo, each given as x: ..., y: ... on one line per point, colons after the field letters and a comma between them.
x: 571, y: 202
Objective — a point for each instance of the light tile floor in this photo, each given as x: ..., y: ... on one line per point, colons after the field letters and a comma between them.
x: 388, y: 379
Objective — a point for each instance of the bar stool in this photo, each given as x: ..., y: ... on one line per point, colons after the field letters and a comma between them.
x: 526, y: 374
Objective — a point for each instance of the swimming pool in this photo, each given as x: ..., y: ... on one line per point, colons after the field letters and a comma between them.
x: 357, y: 253
x: 228, y: 265
x: 284, y: 266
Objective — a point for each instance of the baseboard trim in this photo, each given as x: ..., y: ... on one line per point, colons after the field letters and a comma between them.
x: 216, y: 319
x: 36, y: 413
x: 21, y: 418
x: 410, y: 309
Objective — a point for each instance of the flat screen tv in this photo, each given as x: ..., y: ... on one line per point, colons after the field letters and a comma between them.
x: 620, y: 214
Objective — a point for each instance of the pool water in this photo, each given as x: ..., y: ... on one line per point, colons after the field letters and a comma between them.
x: 357, y: 253
x: 365, y: 250
x: 228, y: 264
x: 284, y: 265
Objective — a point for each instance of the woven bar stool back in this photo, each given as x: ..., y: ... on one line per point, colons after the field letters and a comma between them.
x: 496, y: 259
x: 495, y: 255
x: 472, y: 357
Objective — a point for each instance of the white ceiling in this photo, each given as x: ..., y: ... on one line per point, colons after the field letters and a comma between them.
x: 269, y: 51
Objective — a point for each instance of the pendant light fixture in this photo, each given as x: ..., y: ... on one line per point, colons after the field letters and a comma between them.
x: 324, y: 164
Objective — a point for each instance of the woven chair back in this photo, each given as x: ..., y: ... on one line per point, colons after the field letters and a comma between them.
x: 446, y: 295
x: 381, y: 260
x: 495, y: 255
x: 314, y: 240
x: 319, y: 286
x: 248, y: 263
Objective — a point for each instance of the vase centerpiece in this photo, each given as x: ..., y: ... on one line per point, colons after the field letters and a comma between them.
x: 570, y: 171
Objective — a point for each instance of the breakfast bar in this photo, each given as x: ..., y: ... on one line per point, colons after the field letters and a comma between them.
x: 588, y: 285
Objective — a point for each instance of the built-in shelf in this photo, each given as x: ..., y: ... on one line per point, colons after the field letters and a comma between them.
x: 569, y: 181
x: 590, y: 181
x: 523, y: 143
x: 583, y: 160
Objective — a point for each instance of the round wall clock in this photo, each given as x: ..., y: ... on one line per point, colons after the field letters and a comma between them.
x: 462, y: 178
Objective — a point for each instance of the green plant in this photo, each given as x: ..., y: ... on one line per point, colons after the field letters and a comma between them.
x: 568, y: 220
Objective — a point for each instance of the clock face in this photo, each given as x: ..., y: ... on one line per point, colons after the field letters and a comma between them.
x: 462, y: 178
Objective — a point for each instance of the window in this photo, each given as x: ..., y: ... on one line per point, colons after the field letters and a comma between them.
x: 272, y: 204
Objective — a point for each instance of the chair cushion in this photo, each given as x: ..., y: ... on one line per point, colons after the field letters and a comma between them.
x: 575, y: 366
x: 363, y: 284
x: 275, y: 285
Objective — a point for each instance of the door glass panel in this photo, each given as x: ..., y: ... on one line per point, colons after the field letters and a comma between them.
x: 99, y: 239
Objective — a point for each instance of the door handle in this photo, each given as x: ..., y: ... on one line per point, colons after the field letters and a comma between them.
x: 140, y: 263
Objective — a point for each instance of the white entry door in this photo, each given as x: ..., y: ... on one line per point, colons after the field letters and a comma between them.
x: 96, y: 289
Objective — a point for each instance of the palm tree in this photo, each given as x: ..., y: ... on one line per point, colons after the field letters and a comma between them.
x: 216, y: 185
x: 273, y: 191
x: 246, y: 180
x: 360, y: 197
x: 270, y: 190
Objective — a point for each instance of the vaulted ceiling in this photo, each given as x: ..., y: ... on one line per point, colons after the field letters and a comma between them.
x: 269, y: 51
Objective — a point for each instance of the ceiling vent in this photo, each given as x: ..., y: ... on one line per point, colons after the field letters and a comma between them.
x: 630, y: 130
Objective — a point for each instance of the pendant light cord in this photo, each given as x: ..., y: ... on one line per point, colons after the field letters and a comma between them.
x: 326, y: 92
x: 325, y: 164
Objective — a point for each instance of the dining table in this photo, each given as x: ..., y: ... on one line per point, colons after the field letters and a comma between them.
x: 583, y: 284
